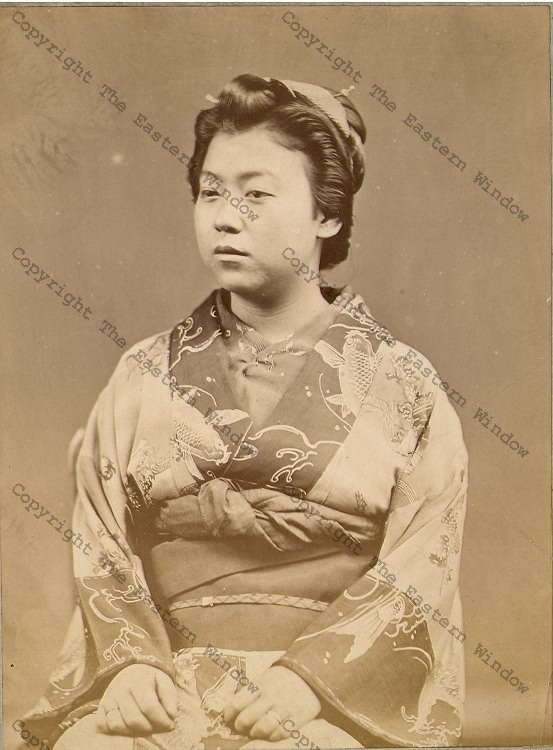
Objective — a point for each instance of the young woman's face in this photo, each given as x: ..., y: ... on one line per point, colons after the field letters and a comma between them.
x: 254, y: 201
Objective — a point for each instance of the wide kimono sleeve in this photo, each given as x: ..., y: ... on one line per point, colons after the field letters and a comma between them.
x: 386, y: 657
x: 115, y: 622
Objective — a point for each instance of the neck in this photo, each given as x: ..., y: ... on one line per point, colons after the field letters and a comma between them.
x: 274, y: 319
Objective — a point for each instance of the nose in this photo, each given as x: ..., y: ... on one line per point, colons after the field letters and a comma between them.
x: 227, y: 218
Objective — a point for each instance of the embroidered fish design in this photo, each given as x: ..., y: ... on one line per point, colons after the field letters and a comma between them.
x: 366, y: 623
x: 357, y: 365
x: 195, y: 437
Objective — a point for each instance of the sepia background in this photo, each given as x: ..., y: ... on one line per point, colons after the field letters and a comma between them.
x: 103, y: 209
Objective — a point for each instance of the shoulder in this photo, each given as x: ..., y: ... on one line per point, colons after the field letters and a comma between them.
x: 412, y: 367
x: 152, y: 353
x: 417, y: 381
x: 420, y: 370
x: 154, y: 348
x: 139, y: 359
x: 413, y: 362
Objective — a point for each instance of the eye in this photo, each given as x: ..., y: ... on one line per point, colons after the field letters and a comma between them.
x: 208, y: 193
x: 257, y: 194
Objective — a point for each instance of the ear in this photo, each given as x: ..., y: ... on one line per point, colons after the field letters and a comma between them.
x: 328, y: 227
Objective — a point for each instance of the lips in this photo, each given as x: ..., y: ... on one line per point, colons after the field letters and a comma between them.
x: 228, y: 250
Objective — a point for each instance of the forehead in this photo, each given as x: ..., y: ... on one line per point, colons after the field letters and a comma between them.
x: 252, y: 152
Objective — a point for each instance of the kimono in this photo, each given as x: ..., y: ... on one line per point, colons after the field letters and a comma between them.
x: 319, y: 529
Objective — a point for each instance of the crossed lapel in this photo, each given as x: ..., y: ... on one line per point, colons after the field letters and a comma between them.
x: 298, y: 439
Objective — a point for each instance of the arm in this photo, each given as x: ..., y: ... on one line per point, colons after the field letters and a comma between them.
x: 113, y: 627
x: 385, y: 659
x: 395, y: 636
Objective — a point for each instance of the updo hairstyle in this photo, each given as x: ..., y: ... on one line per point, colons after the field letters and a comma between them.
x: 335, y: 159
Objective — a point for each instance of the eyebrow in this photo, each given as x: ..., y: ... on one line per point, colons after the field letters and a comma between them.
x: 243, y: 176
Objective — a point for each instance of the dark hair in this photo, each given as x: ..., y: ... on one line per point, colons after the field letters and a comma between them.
x: 336, y: 161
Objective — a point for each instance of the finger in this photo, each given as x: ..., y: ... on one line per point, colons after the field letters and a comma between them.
x: 239, y: 701
x: 250, y: 715
x: 148, y: 702
x: 101, y: 722
x: 133, y: 717
x: 115, y: 722
x: 280, y: 734
x: 104, y: 708
x: 167, y: 694
x: 267, y: 726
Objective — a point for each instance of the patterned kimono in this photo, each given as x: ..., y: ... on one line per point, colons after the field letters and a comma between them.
x: 313, y: 521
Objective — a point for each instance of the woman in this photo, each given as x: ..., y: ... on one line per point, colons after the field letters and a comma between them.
x: 279, y: 473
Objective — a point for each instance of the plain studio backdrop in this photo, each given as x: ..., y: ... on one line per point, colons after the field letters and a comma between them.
x: 105, y: 210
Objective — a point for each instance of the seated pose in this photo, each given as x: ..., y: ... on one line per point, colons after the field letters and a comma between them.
x: 272, y: 492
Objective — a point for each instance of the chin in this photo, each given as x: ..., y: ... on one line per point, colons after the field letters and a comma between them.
x: 240, y: 283
x: 248, y: 291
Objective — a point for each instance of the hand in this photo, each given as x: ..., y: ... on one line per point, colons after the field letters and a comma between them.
x: 140, y: 700
x: 280, y: 691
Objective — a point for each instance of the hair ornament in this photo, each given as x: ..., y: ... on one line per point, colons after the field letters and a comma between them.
x: 346, y: 92
x: 211, y: 99
x: 284, y: 83
x: 322, y: 99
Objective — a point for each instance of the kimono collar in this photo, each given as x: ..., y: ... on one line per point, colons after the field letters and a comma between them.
x: 305, y: 337
x: 298, y: 439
